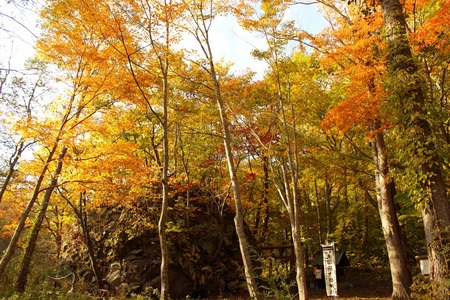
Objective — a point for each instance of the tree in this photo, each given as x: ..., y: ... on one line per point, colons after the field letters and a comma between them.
x: 19, y: 99
x: 409, y: 100
x: 164, y: 15
x: 362, y: 108
x: 24, y: 269
x: 123, y: 31
x: 201, y: 15
x: 275, y: 31
x: 82, y: 216
x: 20, y: 226
x: 83, y: 101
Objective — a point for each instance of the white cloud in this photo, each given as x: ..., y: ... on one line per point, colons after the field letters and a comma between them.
x: 234, y: 44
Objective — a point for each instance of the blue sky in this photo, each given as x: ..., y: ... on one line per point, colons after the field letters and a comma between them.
x: 230, y: 42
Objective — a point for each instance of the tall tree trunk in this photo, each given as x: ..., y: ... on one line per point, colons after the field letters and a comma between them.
x: 163, y: 60
x: 266, y: 196
x: 162, y: 52
x: 8, y: 254
x: 299, y: 257
x: 239, y: 217
x: 328, y: 207
x: 319, y: 224
x: 410, y: 103
x: 290, y: 192
x: 291, y: 201
x: 83, y: 217
x: 264, y: 203
x: 162, y: 225
x: 401, y: 276
x: 201, y: 18
x: 24, y: 269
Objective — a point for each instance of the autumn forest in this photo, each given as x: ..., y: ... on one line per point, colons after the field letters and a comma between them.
x: 137, y: 165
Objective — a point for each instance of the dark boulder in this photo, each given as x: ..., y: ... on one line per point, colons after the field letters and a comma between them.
x: 204, y: 250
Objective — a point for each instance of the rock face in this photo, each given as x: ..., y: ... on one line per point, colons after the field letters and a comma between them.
x: 204, y: 251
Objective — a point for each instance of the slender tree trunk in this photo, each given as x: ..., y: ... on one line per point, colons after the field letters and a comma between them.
x: 162, y: 225
x: 400, y: 273
x: 319, y: 224
x: 289, y: 194
x: 239, y: 217
x: 201, y: 33
x: 410, y: 103
x: 266, y: 196
x: 12, y: 164
x: 292, y: 191
x: 23, y: 217
x: 83, y: 217
x: 24, y: 269
x: 328, y: 207
x: 291, y: 201
x: 264, y: 203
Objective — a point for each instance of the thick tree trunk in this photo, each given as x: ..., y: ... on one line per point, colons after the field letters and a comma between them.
x: 400, y: 273
x: 410, y: 103
x: 298, y: 250
x: 24, y: 269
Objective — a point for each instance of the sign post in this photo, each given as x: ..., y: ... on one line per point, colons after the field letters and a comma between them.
x: 329, y: 266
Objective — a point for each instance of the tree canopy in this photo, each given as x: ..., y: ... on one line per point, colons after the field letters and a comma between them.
x: 343, y: 138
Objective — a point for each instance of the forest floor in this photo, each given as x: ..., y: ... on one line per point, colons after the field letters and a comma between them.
x: 359, y: 284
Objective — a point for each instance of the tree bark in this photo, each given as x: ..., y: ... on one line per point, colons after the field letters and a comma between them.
x: 264, y: 204
x: 201, y: 33
x: 12, y: 164
x: 400, y: 273
x: 24, y: 269
x: 239, y: 217
x: 23, y: 217
x: 328, y: 207
x: 82, y: 216
x: 162, y: 225
x: 409, y: 102
x: 289, y: 193
x: 162, y: 52
x: 318, y: 216
x: 299, y: 257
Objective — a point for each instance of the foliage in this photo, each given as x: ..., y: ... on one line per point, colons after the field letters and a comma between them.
x: 97, y: 89
x: 277, y: 279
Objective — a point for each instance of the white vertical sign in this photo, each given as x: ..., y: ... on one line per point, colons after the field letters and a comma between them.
x: 329, y: 266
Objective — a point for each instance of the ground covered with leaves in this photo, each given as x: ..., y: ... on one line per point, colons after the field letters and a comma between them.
x: 361, y: 284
